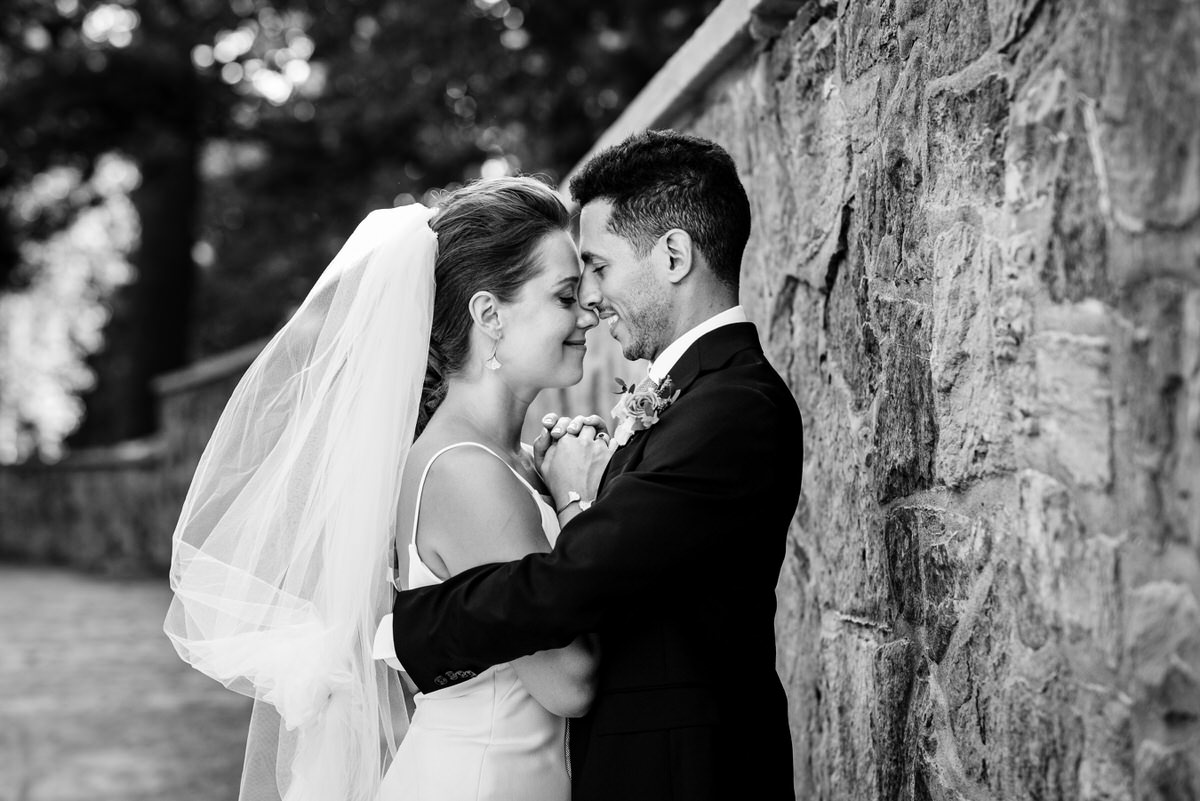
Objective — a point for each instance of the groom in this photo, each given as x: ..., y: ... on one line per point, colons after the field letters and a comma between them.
x: 674, y: 563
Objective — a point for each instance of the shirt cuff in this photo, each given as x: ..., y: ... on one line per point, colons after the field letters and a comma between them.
x: 385, y: 645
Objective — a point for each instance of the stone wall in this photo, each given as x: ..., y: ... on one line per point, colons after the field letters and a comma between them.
x: 112, y: 510
x: 976, y: 258
x: 95, y: 510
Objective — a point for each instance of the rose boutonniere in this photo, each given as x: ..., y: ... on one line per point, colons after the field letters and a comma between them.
x: 640, y: 406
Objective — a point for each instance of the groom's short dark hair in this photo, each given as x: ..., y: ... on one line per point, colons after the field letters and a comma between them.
x: 659, y: 180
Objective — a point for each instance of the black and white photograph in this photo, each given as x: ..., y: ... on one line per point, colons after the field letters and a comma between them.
x: 599, y: 400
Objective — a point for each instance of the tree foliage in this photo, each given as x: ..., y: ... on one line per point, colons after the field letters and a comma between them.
x: 263, y: 130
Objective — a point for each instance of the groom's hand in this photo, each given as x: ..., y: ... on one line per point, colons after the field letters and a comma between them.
x: 559, y: 425
x: 556, y: 426
x: 575, y: 463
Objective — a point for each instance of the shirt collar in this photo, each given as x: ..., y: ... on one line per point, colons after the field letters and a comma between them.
x: 661, y: 366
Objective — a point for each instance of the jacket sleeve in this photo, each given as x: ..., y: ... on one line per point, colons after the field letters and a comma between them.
x: 651, y: 527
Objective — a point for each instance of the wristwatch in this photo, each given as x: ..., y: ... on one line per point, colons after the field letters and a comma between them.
x: 574, y: 497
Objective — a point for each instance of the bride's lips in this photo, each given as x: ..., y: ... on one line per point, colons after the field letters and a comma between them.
x: 576, y: 343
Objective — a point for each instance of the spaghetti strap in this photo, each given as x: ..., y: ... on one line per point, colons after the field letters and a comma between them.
x: 425, y: 473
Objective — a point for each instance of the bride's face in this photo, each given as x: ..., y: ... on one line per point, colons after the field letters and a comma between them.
x: 544, y: 327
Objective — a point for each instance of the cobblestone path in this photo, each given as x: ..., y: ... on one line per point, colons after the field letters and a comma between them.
x: 94, y: 702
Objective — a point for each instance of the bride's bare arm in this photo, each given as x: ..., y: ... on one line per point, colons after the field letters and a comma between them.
x: 474, y: 511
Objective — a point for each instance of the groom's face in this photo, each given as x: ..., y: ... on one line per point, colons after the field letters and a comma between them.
x: 621, y: 286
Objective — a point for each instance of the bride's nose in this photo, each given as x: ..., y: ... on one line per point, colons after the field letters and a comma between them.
x: 586, y: 318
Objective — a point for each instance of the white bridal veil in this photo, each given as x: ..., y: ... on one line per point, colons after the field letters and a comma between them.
x: 280, y: 557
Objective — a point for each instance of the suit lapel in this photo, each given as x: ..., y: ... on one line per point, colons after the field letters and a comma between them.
x: 710, y: 352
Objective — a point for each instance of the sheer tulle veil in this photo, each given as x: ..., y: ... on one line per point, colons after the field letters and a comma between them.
x: 280, y: 557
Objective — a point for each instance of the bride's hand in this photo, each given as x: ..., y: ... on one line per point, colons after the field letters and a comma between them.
x: 558, y: 426
x: 575, y: 463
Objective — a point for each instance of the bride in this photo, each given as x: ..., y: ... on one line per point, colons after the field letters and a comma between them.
x: 313, y: 499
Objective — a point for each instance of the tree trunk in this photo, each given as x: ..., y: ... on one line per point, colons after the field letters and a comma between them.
x: 148, y: 332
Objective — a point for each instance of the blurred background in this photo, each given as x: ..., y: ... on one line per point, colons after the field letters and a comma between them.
x: 175, y: 173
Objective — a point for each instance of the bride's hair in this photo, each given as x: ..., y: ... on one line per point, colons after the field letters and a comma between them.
x: 487, y: 234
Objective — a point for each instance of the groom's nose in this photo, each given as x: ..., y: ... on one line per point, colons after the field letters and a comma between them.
x: 589, y: 289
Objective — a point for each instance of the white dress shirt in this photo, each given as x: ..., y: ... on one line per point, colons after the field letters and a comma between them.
x: 661, y: 366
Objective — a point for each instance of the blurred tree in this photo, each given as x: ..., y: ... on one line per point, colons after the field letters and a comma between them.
x: 262, y: 131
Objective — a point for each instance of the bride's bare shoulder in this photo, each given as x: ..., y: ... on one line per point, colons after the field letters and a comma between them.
x: 473, y: 509
x: 458, y: 468
x: 436, y: 437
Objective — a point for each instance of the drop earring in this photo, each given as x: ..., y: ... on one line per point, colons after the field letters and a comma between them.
x: 493, y: 363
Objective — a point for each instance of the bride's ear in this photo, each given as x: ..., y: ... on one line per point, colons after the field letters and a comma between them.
x: 485, y: 311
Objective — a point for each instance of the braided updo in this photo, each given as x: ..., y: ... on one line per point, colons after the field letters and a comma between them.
x: 487, y: 234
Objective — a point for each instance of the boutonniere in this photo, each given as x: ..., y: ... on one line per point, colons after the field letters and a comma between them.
x: 639, y: 406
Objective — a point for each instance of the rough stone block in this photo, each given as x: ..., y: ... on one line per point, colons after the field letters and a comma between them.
x: 1074, y: 397
x: 812, y: 155
x: 968, y: 127
x: 1070, y: 577
x: 1106, y: 765
x: 872, y: 33
x: 891, y: 224
x: 1164, y: 651
x: 845, y: 758
x: 1157, y: 397
x: 934, y: 560
x: 960, y: 292
x: 1011, y: 19
x: 844, y: 539
x: 768, y: 18
x: 957, y: 32
x: 865, y: 36
x: 905, y: 426
x: 892, y: 735
x: 975, y: 434
x: 851, y: 337
x: 1041, y: 734
x: 1166, y: 773
x: 1185, y: 486
x: 966, y: 708
x: 1052, y: 183
x: 1149, y: 139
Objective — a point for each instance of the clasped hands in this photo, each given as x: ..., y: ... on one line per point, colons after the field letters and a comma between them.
x: 570, y: 454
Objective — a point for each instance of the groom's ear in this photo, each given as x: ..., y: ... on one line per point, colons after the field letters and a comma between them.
x: 485, y: 311
x: 677, y: 243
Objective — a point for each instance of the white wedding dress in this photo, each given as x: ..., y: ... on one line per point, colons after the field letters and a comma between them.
x: 485, y: 739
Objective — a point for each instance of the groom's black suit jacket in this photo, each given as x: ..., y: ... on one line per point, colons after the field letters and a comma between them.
x: 675, y: 567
